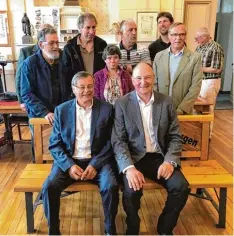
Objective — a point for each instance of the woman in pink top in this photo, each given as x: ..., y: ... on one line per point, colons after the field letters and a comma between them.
x: 112, y: 82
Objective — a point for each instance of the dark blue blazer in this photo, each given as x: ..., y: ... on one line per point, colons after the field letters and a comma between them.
x: 62, y: 139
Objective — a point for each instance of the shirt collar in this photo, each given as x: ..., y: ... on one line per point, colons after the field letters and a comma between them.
x: 181, y: 52
x: 150, y: 101
x: 81, y: 108
x: 121, y: 46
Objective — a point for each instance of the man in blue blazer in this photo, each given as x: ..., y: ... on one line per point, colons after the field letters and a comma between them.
x: 81, y: 147
x: 147, y: 142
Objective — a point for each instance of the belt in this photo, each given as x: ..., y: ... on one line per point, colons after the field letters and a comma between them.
x: 212, y: 78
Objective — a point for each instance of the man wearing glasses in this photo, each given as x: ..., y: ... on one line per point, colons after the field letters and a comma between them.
x: 81, y: 147
x: 147, y: 143
x: 178, y: 71
x: 42, y: 84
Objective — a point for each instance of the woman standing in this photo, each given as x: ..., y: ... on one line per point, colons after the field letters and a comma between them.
x: 112, y: 82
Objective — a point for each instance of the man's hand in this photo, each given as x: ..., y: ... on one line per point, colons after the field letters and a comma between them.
x: 89, y: 173
x: 50, y: 117
x: 135, y: 178
x: 23, y: 106
x: 75, y: 172
x: 179, y: 111
x: 165, y: 170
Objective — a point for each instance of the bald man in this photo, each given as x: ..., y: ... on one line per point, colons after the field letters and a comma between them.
x: 212, y: 66
x: 147, y: 143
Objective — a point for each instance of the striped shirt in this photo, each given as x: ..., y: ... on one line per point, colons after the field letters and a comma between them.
x: 134, y: 55
x: 212, y: 56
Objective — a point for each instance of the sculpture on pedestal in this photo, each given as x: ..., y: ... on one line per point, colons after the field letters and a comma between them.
x: 26, y: 27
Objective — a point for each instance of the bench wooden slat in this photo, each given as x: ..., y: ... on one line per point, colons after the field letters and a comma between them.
x: 210, y: 181
x: 200, y: 174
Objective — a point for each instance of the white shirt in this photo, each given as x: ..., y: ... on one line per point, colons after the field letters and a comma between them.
x: 83, y: 128
x: 147, y: 120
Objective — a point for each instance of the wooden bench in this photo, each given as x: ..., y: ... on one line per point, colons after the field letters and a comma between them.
x: 200, y: 174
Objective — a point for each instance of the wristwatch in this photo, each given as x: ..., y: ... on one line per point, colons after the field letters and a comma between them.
x: 174, y: 164
x: 124, y: 67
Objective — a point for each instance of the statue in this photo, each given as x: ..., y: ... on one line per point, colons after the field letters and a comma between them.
x: 26, y: 26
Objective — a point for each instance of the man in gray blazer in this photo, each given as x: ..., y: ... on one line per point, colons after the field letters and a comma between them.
x: 178, y: 71
x: 147, y: 142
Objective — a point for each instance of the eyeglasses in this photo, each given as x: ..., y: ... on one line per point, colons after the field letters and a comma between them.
x: 196, y: 38
x: 82, y: 88
x: 51, y: 43
x: 180, y: 35
x: 140, y: 78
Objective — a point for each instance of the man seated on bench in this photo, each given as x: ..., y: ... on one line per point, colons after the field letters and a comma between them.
x: 81, y: 147
x: 147, y: 142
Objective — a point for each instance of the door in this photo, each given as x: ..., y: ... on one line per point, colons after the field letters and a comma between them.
x: 198, y: 13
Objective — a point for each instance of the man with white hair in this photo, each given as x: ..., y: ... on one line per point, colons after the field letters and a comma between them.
x: 42, y: 85
x: 212, y: 66
x: 24, y: 53
x: 178, y: 71
x: 131, y: 53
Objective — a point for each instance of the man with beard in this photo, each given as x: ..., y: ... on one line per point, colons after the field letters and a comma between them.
x: 24, y: 53
x: 131, y: 53
x: 42, y: 84
x: 164, y: 20
x: 83, y: 52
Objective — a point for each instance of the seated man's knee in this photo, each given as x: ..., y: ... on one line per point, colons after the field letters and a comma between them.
x: 50, y: 186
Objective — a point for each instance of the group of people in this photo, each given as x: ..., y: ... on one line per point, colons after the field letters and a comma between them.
x: 75, y: 90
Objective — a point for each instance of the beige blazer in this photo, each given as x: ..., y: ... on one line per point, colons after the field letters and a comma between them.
x: 187, y: 82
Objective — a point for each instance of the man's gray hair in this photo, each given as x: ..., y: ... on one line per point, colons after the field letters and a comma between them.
x: 124, y: 22
x: 80, y: 75
x: 175, y: 25
x: 203, y: 31
x: 83, y: 17
x: 44, y: 26
x: 41, y: 34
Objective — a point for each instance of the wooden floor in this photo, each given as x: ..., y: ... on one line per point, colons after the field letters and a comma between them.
x: 82, y: 213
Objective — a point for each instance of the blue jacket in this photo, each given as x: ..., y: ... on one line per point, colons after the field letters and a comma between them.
x: 62, y: 139
x: 36, y: 87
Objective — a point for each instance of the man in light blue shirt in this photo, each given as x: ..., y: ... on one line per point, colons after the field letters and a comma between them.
x: 178, y: 71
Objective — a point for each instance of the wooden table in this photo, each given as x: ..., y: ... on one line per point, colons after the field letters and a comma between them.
x: 7, y: 108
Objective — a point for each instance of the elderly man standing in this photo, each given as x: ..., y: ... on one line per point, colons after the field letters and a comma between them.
x: 164, y: 20
x: 25, y: 52
x: 178, y: 71
x: 147, y: 143
x: 81, y: 147
x: 42, y: 84
x: 83, y: 52
x: 131, y: 53
x: 212, y: 66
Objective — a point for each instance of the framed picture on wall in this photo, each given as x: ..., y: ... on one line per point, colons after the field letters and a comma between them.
x: 4, y: 30
x: 146, y: 26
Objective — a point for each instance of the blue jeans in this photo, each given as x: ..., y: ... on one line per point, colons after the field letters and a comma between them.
x: 58, y: 180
